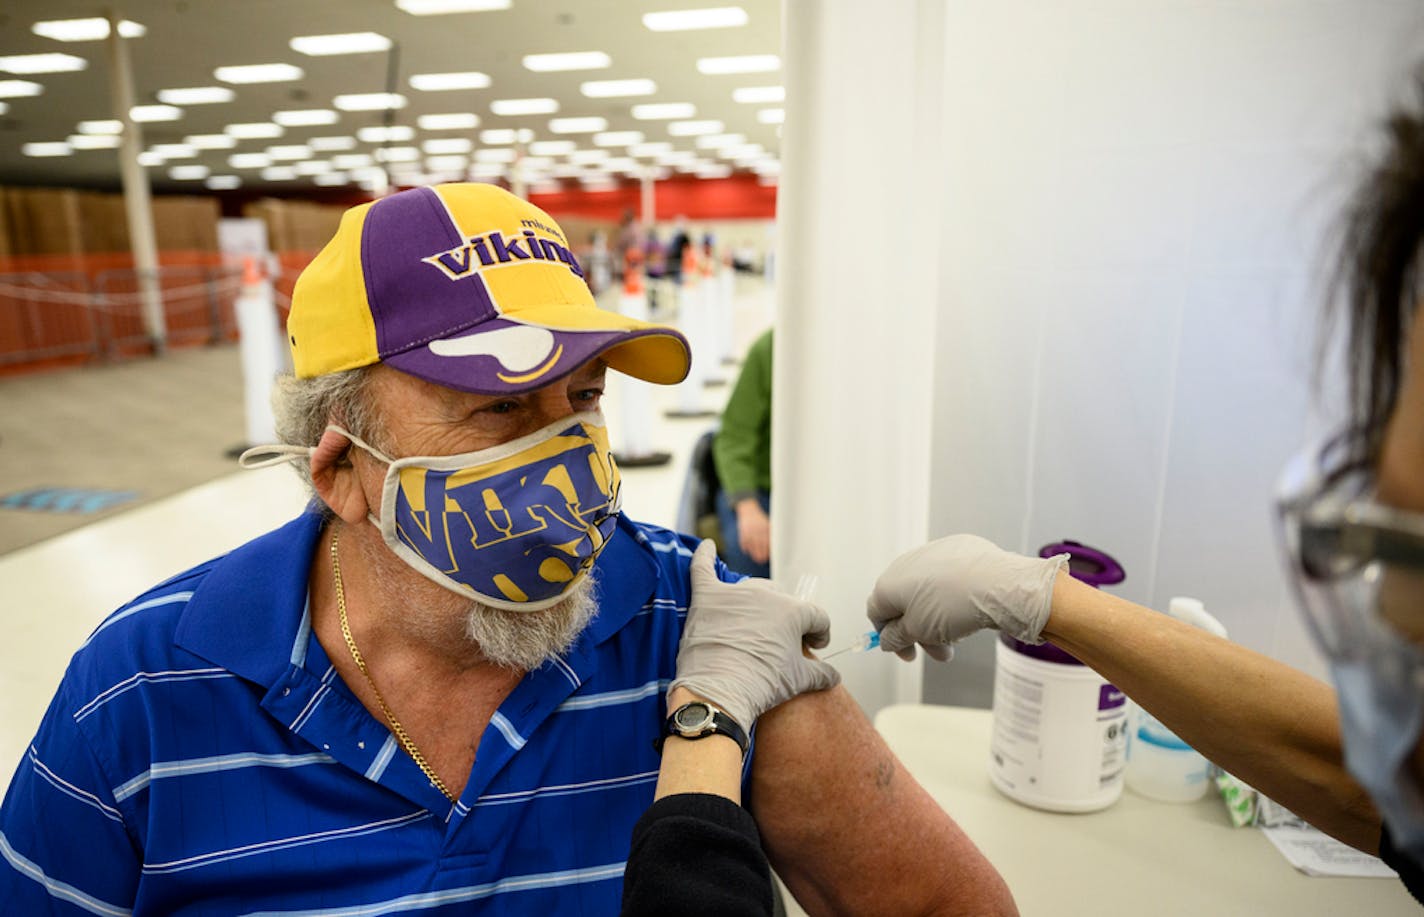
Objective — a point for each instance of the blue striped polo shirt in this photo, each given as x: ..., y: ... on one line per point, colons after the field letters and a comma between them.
x: 203, y: 757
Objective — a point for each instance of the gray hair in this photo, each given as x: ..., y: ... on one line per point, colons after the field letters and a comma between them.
x: 303, y: 408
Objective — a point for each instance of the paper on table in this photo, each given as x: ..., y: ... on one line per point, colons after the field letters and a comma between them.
x: 1318, y: 854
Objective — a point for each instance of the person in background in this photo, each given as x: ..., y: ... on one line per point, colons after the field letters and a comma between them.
x: 696, y: 851
x: 1350, y: 761
x: 742, y: 454
x: 681, y: 239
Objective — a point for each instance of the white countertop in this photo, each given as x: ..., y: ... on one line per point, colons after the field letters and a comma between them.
x: 1137, y: 856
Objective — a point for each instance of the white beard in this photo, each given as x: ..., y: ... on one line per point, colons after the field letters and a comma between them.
x: 525, y: 640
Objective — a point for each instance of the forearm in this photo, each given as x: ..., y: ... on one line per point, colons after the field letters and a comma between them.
x: 712, y: 764
x: 1265, y: 722
x: 849, y: 830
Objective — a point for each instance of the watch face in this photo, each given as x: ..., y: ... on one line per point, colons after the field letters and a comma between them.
x: 692, y: 717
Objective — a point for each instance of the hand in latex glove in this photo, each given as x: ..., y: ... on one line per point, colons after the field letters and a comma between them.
x: 741, y: 646
x: 950, y: 588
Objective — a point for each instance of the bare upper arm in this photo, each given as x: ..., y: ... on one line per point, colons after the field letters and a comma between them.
x: 849, y: 830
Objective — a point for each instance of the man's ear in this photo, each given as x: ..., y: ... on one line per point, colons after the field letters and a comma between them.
x: 336, y: 480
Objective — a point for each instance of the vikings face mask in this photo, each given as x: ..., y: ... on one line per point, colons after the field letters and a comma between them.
x: 515, y: 526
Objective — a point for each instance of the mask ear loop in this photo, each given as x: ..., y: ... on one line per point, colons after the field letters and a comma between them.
x: 274, y: 454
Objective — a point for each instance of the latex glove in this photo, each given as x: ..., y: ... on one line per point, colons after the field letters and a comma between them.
x: 948, y: 589
x: 741, y: 646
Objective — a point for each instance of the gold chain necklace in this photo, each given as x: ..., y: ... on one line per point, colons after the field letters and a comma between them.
x: 401, y: 735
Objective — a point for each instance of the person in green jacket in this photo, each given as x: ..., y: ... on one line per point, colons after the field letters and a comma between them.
x: 742, y: 453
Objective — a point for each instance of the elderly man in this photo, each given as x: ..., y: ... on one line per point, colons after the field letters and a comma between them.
x: 438, y: 690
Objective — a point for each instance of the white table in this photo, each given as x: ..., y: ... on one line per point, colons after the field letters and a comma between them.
x: 1135, y: 857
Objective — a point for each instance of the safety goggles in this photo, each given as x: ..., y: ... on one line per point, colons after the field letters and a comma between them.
x: 1357, y: 564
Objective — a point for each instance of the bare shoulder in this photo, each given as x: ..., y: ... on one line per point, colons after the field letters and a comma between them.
x: 849, y: 830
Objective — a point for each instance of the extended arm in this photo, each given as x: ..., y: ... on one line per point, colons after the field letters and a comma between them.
x: 1267, y: 723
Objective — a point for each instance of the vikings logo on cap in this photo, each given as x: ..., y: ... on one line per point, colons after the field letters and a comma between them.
x: 466, y: 286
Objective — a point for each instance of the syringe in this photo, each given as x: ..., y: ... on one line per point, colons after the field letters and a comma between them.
x: 864, y: 643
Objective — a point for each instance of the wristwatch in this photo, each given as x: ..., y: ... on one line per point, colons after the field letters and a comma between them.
x: 699, y: 719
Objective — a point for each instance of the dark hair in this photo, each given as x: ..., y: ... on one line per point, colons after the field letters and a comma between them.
x: 1379, y: 276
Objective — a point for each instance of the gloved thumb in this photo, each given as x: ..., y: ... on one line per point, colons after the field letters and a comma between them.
x: 893, y: 639
x: 704, y: 570
x: 815, y: 627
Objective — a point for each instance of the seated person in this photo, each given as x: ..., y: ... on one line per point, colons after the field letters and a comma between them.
x: 437, y: 690
x: 742, y: 451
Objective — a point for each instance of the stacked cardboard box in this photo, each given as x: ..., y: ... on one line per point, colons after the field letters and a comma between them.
x: 296, y: 226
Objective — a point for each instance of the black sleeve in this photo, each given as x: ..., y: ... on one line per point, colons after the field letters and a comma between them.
x: 696, y: 854
x: 1411, y: 873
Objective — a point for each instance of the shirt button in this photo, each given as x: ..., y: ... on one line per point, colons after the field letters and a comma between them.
x: 286, y: 691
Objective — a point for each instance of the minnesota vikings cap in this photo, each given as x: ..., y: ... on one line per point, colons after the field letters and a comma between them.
x: 469, y: 287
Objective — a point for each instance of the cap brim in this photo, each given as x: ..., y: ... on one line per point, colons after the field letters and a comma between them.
x: 654, y: 353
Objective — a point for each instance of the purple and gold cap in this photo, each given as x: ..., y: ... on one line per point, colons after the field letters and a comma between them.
x: 469, y: 287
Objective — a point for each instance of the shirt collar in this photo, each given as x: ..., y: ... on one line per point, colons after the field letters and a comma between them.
x: 248, y: 612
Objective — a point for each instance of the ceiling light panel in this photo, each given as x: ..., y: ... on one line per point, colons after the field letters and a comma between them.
x: 588, y: 156
x: 455, y: 121
x: 289, y: 152
x: 279, y: 173
x: 749, y: 63
x: 694, y: 128
x: 552, y: 147
x: 516, y: 107
x: 396, y: 133
x: 328, y: 179
x: 95, y: 28
x: 196, y: 95
x: 352, y: 161
x: 173, y: 150
x: 772, y: 115
x: 447, y: 163
x: 649, y: 149
x: 572, y: 60
x: 313, y: 167
x: 330, y: 144
x: 249, y: 160
x: 721, y: 17
x: 717, y: 141
x: 100, y: 127
x: 439, y: 82
x: 94, y: 141
x: 53, y: 62
x: 495, y: 154
x: 306, y: 117
x: 618, y: 138
x: 447, y: 145
x: 398, y: 154
x: 617, y: 89
x: 658, y: 111
x: 19, y: 89
x: 211, y: 141
x: 498, y: 135
x: 149, y: 160
x: 260, y: 130
x: 57, y: 148
x: 147, y: 113
x: 189, y: 173
x: 259, y: 73
x: 346, y: 43
x: 223, y: 182
x: 370, y: 101
x: 442, y: 7
x: 577, y: 125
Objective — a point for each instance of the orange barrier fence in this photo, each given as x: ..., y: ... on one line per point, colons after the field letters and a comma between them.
x: 69, y: 309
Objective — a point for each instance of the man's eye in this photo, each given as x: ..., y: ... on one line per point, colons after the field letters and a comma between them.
x: 501, y: 407
x: 589, y: 394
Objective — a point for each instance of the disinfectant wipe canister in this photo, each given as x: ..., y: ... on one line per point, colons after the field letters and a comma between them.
x: 1060, y: 730
x: 1159, y: 764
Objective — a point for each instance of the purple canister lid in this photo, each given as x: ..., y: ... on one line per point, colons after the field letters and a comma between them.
x: 1086, y: 564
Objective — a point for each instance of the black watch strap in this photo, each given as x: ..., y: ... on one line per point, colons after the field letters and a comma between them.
x: 699, y: 719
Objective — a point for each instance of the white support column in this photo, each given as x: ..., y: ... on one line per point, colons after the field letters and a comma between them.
x: 858, y: 281
x: 135, y: 182
x: 647, y: 199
